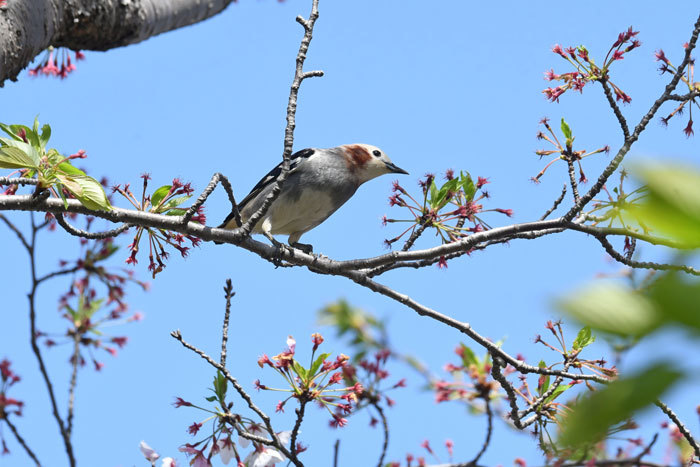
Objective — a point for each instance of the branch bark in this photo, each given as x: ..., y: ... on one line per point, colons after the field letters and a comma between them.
x: 28, y: 27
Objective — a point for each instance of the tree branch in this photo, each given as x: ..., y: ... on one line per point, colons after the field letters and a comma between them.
x: 29, y: 27
x: 20, y: 440
x: 629, y: 141
x: 85, y: 234
x: 299, y: 76
x: 385, y: 426
x: 244, y: 395
x: 682, y: 428
x: 228, y: 293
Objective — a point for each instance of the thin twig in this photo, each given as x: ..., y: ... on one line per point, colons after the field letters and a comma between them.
x: 19, y: 438
x: 297, y: 424
x: 61, y: 272
x: 336, y: 449
x: 496, y: 372
x: 17, y: 232
x: 215, y: 180
x: 631, y: 139
x: 463, y: 327
x: 91, y: 235
x: 244, y: 395
x: 228, y: 293
x: 65, y: 435
x: 73, y: 381
x: 572, y: 176
x: 299, y: 76
x: 624, y: 259
x: 682, y: 428
x: 489, y: 429
x: 615, y: 108
x: 556, y: 204
x: 385, y: 426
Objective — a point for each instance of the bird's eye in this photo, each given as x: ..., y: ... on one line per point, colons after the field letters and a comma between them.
x: 377, y: 153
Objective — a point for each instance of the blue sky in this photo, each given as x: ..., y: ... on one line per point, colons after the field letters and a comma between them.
x: 436, y: 85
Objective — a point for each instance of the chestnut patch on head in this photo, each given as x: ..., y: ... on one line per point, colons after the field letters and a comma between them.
x: 359, y: 155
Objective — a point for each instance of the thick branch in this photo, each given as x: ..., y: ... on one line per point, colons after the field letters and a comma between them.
x: 28, y: 27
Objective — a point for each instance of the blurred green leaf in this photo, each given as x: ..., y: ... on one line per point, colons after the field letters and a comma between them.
x: 677, y: 300
x: 592, y: 416
x: 673, y: 203
x: 584, y: 338
x: 468, y: 356
x: 612, y: 308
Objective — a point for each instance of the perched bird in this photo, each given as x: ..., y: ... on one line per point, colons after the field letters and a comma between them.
x: 319, y: 182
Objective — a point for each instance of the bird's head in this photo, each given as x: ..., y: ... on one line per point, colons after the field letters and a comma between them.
x: 369, y: 162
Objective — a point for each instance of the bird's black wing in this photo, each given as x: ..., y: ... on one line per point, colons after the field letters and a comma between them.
x: 270, y: 178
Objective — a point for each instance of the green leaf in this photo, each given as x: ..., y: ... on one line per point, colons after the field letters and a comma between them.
x: 544, y: 379
x: 45, y: 135
x: 14, y: 158
x: 561, y: 388
x: 175, y: 202
x: 8, y: 129
x: 31, y: 135
x: 317, y: 363
x: 220, y: 386
x: 299, y: 370
x: 584, y: 338
x: 468, y: 185
x: 28, y: 149
x: 87, y: 190
x: 433, y: 194
x: 673, y: 203
x: 211, y: 398
x: 613, y: 309
x: 594, y: 415
x: 176, y: 212
x: 566, y: 130
x: 160, y: 194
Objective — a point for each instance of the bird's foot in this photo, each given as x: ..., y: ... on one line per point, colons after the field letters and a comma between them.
x: 305, y: 247
x: 280, y: 248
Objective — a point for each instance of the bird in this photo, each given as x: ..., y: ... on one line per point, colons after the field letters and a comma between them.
x: 319, y: 182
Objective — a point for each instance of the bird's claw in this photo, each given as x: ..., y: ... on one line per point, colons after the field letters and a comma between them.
x: 305, y: 247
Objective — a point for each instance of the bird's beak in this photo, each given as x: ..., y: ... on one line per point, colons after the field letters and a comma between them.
x: 394, y: 169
